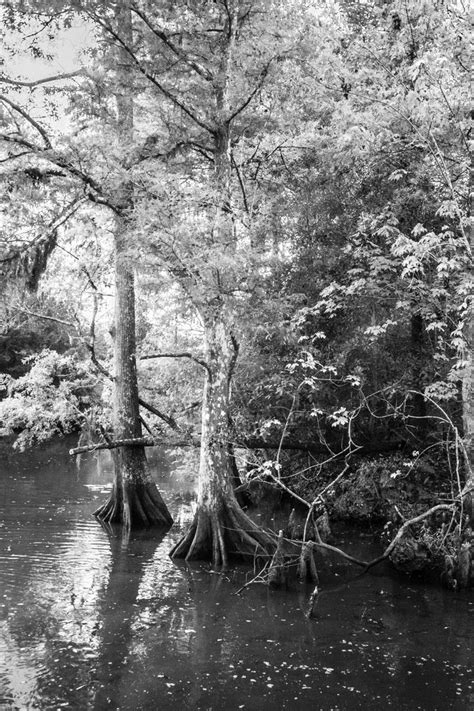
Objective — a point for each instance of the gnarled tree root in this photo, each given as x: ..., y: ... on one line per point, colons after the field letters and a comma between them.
x: 217, y: 534
x: 135, y: 505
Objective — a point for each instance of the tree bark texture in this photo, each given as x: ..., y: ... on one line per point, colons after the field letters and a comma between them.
x: 220, y: 527
x: 135, y: 501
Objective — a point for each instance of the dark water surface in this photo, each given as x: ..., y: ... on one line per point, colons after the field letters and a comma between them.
x: 88, y: 621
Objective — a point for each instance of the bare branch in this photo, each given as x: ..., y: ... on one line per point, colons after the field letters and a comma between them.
x: 44, y: 317
x: 137, y: 442
x: 258, y: 86
x: 114, y: 444
x: 58, y: 221
x: 62, y: 162
x: 20, y: 141
x: 201, y: 71
x: 46, y: 80
x: 27, y: 118
x: 177, y: 102
x: 170, y: 421
x: 241, y: 183
x: 14, y: 156
x: 150, y: 356
x: 404, y: 527
x: 339, y: 551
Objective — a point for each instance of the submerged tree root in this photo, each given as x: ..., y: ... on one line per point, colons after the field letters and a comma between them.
x: 278, y: 572
x: 217, y: 535
x: 306, y: 564
x: 135, y: 505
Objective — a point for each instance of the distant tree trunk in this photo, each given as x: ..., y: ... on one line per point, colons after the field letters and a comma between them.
x: 468, y: 377
x: 220, y: 526
x: 468, y: 421
x: 135, y: 501
x: 419, y: 412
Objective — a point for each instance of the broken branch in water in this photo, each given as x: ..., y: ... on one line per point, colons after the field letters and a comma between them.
x: 403, y: 528
x: 136, y: 442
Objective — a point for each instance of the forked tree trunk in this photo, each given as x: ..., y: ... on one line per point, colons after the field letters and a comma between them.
x: 135, y: 501
x: 220, y: 527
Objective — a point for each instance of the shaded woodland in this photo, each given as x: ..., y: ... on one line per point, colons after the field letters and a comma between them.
x: 243, y: 226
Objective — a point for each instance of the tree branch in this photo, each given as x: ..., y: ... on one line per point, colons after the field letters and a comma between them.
x: 201, y: 71
x: 137, y: 442
x: 14, y: 156
x: 166, y: 418
x: 404, y: 527
x: 61, y: 162
x: 150, y: 356
x: 315, y: 447
x: 29, y: 119
x: 60, y: 220
x: 44, y: 317
x: 189, y: 112
x: 114, y: 444
x: 86, y: 179
x: 241, y: 183
x: 258, y: 86
x: 19, y: 141
x: 46, y: 80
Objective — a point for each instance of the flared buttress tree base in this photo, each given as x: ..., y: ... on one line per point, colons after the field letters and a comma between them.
x: 217, y: 535
x: 135, y: 505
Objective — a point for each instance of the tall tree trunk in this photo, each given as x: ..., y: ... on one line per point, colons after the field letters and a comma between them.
x: 220, y: 527
x: 135, y: 501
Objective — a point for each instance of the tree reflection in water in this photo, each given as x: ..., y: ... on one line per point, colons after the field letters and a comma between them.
x: 89, y: 620
x: 131, y: 554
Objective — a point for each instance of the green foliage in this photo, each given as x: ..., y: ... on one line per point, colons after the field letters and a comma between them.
x: 49, y: 400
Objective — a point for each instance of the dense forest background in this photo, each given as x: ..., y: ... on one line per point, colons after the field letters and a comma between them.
x: 270, y: 199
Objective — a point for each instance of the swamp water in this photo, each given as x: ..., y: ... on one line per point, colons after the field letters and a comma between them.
x: 90, y: 621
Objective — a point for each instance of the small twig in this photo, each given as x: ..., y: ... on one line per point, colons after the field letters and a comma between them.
x: 29, y: 119
x: 44, y: 317
x: 256, y: 579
